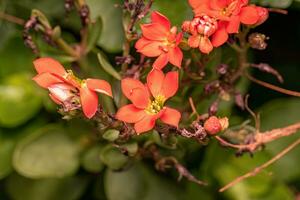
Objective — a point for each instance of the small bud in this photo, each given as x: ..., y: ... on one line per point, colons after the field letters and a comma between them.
x: 56, y: 33
x: 222, y: 69
x: 263, y: 14
x: 214, y: 125
x: 258, y: 41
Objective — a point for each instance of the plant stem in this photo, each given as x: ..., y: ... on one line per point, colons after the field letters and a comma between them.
x: 66, y: 48
x: 12, y: 19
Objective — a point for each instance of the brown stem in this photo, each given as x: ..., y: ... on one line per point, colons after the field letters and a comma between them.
x: 276, y: 10
x: 257, y: 170
x: 263, y: 138
x: 273, y: 87
x: 12, y: 19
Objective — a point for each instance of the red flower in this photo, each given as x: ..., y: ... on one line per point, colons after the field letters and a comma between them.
x: 144, y: 110
x: 160, y: 40
x: 231, y: 14
x: 201, y: 29
x: 66, y: 89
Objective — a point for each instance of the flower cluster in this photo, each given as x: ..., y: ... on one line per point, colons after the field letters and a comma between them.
x: 66, y: 89
x: 218, y: 18
x: 213, y: 21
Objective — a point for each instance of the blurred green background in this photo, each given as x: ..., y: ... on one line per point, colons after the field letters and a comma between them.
x: 43, y: 157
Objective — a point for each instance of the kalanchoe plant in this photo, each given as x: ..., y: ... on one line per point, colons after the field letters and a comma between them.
x: 156, y: 88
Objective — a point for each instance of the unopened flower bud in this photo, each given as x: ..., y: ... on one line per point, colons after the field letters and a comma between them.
x: 214, y: 125
x: 263, y: 14
x: 186, y: 26
x: 258, y: 41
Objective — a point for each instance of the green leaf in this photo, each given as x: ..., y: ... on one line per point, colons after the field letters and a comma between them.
x: 274, y: 3
x: 250, y: 189
x: 46, y: 153
x: 21, y: 188
x: 91, y: 160
x: 144, y: 185
x: 94, y: 34
x: 113, y: 158
x: 276, y: 114
x: 6, y: 151
x: 172, y: 10
x: 112, y: 34
x: 107, y: 66
x: 111, y: 135
x: 131, y: 148
x: 125, y: 185
x: 19, y: 100
x: 10, y: 63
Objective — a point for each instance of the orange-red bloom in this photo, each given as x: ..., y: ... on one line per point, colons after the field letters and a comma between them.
x: 145, y: 110
x: 160, y: 40
x: 66, y: 89
x: 201, y: 29
x: 230, y: 13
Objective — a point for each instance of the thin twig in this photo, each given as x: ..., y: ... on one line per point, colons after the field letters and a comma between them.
x: 257, y: 170
x: 276, y: 10
x: 263, y: 138
x: 12, y: 19
x: 273, y: 87
x: 193, y: 107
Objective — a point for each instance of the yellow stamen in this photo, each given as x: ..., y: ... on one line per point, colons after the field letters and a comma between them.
x: 156, y: 105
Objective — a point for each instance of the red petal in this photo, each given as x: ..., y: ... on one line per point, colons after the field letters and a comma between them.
x: 130, y: 114
x: 142, y: 42
x: 145, y: 124
x: 48, y: 65
x: 61, y: 91
x: 196, y: 3
x: 249, y: 15
x: 233, y: 24
x: 194, y: 41
x: 179, y: 38
x: 100, y: 86
x: 171, y: 117
x: 136, y: 92
x: 152, y: 49
x: 155, y: 81
x: 157, y: 17
x: 263, y: 14
x: 219, y: 37
x: 46, y: 79
x: 57, y: 101
x: 154, y: 31
x: 205, y: 45
x: 89, y: 101
x: 175, y: 56
x: 161, y: 61
x: 170, y: 84
x: 218, y: 4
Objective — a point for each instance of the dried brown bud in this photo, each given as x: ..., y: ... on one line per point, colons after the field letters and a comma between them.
x: 258, y: 41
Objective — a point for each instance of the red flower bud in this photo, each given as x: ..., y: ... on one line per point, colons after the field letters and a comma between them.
x: 214, y: 125
x: 263, y: 14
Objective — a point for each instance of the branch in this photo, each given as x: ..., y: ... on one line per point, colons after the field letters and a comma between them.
x: 261, y: 167
x: 273, y: 87
x: 12, y: 19
x: 263, y: 138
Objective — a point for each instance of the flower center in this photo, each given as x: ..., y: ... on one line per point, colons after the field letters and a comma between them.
x: 230, y: 9
x: 71, y: 78
x: 156, y: 105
